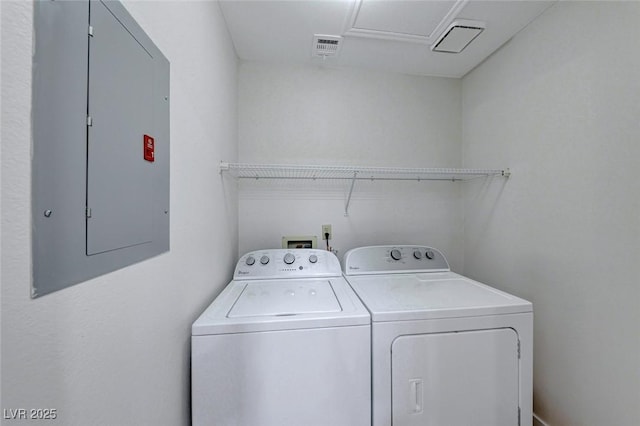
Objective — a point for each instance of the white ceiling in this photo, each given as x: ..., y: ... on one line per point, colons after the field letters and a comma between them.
x: 388, y: 35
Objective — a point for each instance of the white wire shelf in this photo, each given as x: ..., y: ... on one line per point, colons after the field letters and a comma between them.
x: 354, y: 173
x: 313, y: 172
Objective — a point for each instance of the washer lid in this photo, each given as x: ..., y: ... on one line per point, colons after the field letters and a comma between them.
x: 432, y: 295
x: 291, y: 297
x: 268, y: 305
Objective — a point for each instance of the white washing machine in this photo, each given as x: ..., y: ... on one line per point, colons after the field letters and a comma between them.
x: 446, y: 350
x: 286, y: 343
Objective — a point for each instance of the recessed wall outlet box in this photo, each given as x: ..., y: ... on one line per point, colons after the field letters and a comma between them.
x: 299, y: 242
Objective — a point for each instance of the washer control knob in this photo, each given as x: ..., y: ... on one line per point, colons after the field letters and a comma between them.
x: 289, y: 258
x: 429, y: 254
x: 395, y: 254
x: 264, y: 259
x: 417, y: 254
x: 313, y: 258
x: 250, y: 260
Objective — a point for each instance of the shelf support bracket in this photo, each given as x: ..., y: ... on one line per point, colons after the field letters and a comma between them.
x: 353, y: 182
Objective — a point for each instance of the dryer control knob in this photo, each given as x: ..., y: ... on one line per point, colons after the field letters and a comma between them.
x: 417, y: 254
x: 264, y: 259
x: 313, y: 258
x: 429, y: 254
x: 289, y: 258
x: 395, y: 254
x: 250, y: 260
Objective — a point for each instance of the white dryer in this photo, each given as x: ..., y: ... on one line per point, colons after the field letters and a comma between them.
x: 286, y: 343
x: 446, y: 350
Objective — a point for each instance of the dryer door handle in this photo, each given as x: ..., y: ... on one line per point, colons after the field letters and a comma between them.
x: 415, y: 395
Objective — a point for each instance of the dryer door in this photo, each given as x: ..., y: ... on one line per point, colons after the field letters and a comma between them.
x: 456, y: 379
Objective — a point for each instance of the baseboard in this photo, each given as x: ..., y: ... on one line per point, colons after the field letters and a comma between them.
x: 537, y: 421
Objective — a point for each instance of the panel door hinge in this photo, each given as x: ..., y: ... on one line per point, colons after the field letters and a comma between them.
x: 519, y: 349
x: 90, y: 31
x: 87, y: 212
x: 89, y: 120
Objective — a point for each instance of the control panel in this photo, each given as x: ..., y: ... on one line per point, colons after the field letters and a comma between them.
x: 393, y: 259
x: 287, y: 263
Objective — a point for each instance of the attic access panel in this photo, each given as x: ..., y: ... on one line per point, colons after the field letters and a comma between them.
x: 97, y: 204
x: 405, y: 20
x: 119, y: 178
x: 402, y: 17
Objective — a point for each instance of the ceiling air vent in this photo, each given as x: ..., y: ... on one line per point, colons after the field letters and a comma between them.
x: 326, y: 45
x: 457, y: 36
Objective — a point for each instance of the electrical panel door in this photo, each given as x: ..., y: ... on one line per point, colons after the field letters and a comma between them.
x: 119, y: 179
x: 100, y: 168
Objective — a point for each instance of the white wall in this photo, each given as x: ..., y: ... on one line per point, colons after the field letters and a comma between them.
x: 560, y: 105
x: 315, y: 115
x: 115, y: 350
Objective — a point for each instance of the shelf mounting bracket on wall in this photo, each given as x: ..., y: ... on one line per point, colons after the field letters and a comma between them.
x: 353, y: 182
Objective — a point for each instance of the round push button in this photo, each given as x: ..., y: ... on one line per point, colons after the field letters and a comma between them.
x: 264, y: 259
x: 250, y: 260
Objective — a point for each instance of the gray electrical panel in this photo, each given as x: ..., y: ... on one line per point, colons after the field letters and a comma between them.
x: 100, y: 167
